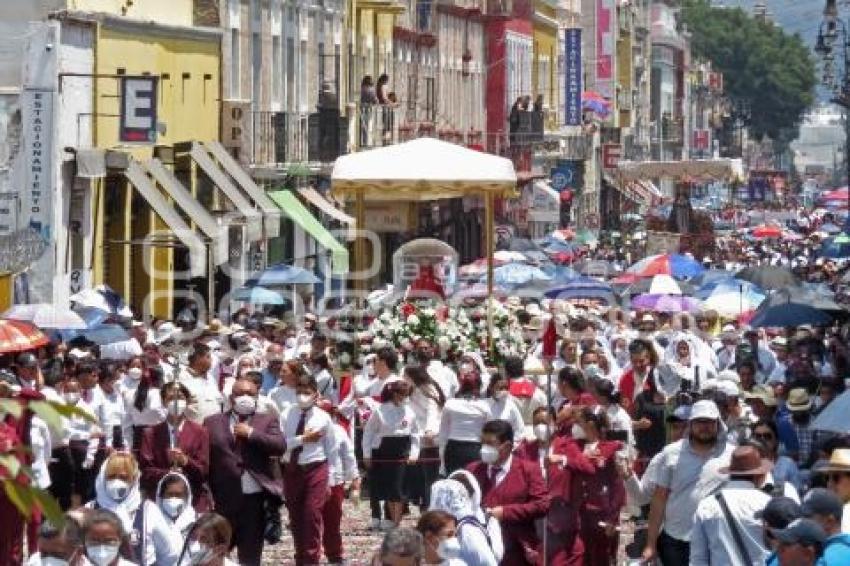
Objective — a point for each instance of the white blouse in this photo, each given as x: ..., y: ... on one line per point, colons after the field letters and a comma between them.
x: 391, y: 420
x: 463, y: 420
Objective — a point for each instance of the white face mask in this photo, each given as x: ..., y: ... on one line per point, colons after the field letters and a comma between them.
x: 305, y: 401
x: 53, y: 561
x: 176, y: 408
x: 449, y: 548
x: 541, y: 432
x: 173, y: 506
x: 578, y: 432
x: 592, y: 370
x: 134, y: 374
x: 501, y: 395
x: 102, y: 554
x: 199, y: 553
x: 71, y: 397
x: 489, y: 454
x: 245, y: 405
x: 117, y: 489
x: 370, y: 370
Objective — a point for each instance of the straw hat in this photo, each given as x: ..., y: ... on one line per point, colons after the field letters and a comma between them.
x: 839, y: 461
x: 799, y: 400
x: 764, y: 394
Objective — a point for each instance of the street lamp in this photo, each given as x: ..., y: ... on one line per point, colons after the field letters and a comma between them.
x: 832, y: 37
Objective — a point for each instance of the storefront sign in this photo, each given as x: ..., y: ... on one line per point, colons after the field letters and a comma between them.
x: 138, y: 109
x: 387, y: 217
x: 605, y: 20
x: 572, y: 77
x: 37, y: 113
x: 611, y: 155
x: 567, y: 175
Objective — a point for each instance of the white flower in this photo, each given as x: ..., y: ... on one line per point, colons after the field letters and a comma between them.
x: 386, y: 317
x: 444, y: 342
x: 430, y: 313
x: 406, y: 343
x: 379, y: 343
x: 497, y: 334
x: 413, y: 320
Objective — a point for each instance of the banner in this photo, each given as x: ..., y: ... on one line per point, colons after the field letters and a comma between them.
x: 605, y: 16
x: 572, y: 80
x: 138, y: 120
x: 37, y: 114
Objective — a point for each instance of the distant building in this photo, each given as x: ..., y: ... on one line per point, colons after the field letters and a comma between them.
x: 819, y: 149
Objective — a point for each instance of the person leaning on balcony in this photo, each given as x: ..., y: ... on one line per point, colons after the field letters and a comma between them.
x: 367, y: 91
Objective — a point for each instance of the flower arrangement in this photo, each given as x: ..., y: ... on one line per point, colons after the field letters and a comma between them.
x: 453, y: 329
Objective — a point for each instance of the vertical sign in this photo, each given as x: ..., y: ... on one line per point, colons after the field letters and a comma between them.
x: 605, y: 14
x: 37, y: 115
x: 138, y: 109
x: 572, y: 100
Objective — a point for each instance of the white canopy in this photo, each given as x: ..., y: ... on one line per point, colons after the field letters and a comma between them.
x: 423, y: 169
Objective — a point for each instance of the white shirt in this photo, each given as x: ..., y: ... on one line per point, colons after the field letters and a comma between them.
x: 327, y: 386
x: 376, y: 386
x: 152, y: 412
x: 502, y: 472
x: 284, y: 397
x: 463, y: 420
x: 391, y: 420
x: 249, y: 484
x: 507, y: 410
x: 41, y: 447
x: 112, y: 412
x: 712, y: 542
x: 445, y: 378
x: 207, y: 399
x: 311, y: 452
x: 79, y: 429
x: 426, y: 409
x: 342, y: 462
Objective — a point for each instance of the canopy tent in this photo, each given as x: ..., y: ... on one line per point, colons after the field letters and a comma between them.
x: 423, y: 169
x: 718, y: 169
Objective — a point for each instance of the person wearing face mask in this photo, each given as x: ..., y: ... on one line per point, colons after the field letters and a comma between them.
x: 321, y: 372
x: 60, y: 546
x: 527, y: 396
x: 425, y: 355
x: 391, y: 441
x: 572, y: 397
x: 174, y: 499
x: 620, y: 352
x: 177, y: 445
x: 112, y: 411
x: 503, y: 406
x: 73, y: 459
x: 208, y: 542
x: 310, y: 443
x: 243, y: 445
x: 284, y: 395
x: 567, y: 354
x: 143, y: 401
x: 461, y: 423
x: 438, y: 530
x: 512, y: 492
x: 206, y: 396
x: 643, y: 359
x: 104, y: 536
x: 427, y: 400
x: 151, y: 538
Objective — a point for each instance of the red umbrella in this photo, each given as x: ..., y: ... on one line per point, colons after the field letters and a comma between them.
x: 19, y: 336
x: 837, y: 194
x: 767, y: 231
x: 626, y: 279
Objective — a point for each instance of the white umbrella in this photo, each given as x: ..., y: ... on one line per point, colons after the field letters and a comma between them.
x: 834, y: 416
x: 45, y: 315
x: 731, y: 304
x: 509, y: 256
x: 664, y: 285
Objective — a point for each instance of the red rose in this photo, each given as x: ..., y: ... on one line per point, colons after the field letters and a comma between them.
x: 407, y: 309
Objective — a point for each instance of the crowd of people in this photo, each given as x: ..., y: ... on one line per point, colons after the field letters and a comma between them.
x: 206, y: 443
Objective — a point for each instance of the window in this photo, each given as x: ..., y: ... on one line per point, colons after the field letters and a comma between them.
x: 234, y: 63
x: 277, y: 62
x: 337, y: 71
x: 412, y: 95
x: 430, y: 99
x: 290, y: 73
x: 257, y: 67
x: 321, y: 63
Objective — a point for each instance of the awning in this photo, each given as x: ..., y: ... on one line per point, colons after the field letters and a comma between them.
x: 137, y: 175
x: 259, y: 196
x: 192, y: 208
x: 299, y: 214
x: 253, y: 220
x: 316, y: 199
x: 91, y: 163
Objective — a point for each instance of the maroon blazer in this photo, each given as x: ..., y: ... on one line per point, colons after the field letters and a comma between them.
x: 523, y: 497
x: 194, y: 441
x: 229, y: 457
x: 601, y: 493
x: 563, y: 510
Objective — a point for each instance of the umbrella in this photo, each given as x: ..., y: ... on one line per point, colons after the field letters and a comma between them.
x: 728, y: 285
x: 781, y: 309
x: 560, y: 274
x: 477, y: 291
x: 731, y: 304
x: 583, y: 288
x: 257, y: 296
x: 830, y: 229
x: 559, y: 246
x: 665, y: 303
x: 103, y: 298
x: 658, y: 285
x: 767, y: 231
x: 563, y: 234
x: 677, y: 265
x: 522, y: 245
x: 833, y: 417
x: 507, y: 256
x: 477, y: 267
x: 769, y: 277
x: 838, y: 246
x: 517, y: 274
x: 597, y: 106
x: 710, y: 275
x: 282, y: 274
x: 45, y: 315
x: 102, y: 334
x: 837, y: 194
x: 595, y: 268
x: 19, y: 336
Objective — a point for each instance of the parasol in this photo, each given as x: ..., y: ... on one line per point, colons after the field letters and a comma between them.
x: 665, y: 303
x: 19, y: 336
x: 675, y: 265
x: 282, y: 274
x: 257, y: 296
x: 45, y: 315
x: 769, y: 277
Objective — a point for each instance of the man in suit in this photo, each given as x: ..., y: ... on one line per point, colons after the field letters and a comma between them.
x: 177, y: 444
x: 243, y: 444
x: 512, y: 491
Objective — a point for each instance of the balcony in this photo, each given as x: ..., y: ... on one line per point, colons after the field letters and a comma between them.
x: 498, y: 8
x: 376, y: 125
x: 526, y: 127
x: 280, y: 138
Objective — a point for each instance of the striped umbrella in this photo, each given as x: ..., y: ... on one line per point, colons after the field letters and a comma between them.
x: 675, y: 265
x: 19, y: 336
x: 665, y: 303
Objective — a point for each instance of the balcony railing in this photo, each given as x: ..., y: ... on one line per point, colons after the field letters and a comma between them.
x: 290, y: 137
x: 376, y: 125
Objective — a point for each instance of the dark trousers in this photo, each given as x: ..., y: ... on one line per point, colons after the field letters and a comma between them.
x: 331, y: 519
x: 459, y: 454
x: 600, y: 549
x: 248, y: 523
x: 68, y: 477
x: 306, y: 489
x: 564, y: 549
x: 419, y: 477
x: 673, y: 552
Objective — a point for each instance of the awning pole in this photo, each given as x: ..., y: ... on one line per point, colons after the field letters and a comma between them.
x: 359, y: 245
x: 489, y: 229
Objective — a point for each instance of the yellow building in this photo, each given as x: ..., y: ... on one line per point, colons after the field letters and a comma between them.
x: 545, y: 59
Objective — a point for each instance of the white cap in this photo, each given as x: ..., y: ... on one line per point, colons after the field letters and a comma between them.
x: 78, y: 354
x: 705, y: 410
x: 729, y: 375
x: 730, y: 388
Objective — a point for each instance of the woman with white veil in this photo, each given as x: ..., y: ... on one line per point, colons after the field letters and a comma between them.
x: 686, y: 366
x: 480, y: 537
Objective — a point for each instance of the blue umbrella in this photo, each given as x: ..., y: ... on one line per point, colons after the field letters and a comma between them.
x: 710, y: 275
x: 517, y: 274
x: 839, y: 246
x: 257, y: 296
x: 282, y: 274
x: 729, y: 285
x: 829, y: 228
x: 784, y: 309
x: 560, y: 274
x: 101, y: 334
x: 583, y: 288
